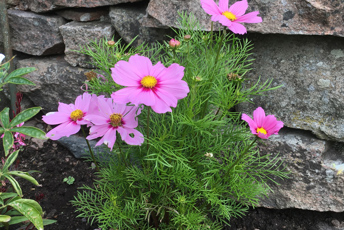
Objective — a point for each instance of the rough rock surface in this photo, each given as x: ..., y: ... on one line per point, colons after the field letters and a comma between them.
x: 48, y: 5
x: 312, y: 17
x: 56, y: 81
x: 35, y: 34
x: 78, y: 146
x: 315, y: 180
x: 128, y: 22
x: 76, y: 34
x: 83, y: 14
x: 310, y: 70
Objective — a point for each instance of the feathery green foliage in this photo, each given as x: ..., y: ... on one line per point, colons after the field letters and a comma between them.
x: 199, y: 165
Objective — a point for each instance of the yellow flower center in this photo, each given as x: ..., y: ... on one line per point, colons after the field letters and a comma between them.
x: 116, y: 119
x: 149, y: 81
x: 261, y: 130
x: 76, y: 115
x: 229, y: 15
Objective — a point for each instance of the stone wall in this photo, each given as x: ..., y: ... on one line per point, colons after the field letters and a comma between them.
x: 300, y: 44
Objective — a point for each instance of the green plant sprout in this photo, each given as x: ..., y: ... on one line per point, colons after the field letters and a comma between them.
x: 69, y: 180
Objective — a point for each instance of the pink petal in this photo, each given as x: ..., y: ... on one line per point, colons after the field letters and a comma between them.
x: 110, y: 138
x: 225, y: 21
x: 125, y: 73
x: 277, y: 127
x: 250, y: 18
x: 157, y: 69
x: 105, y: 108
x: 138, y: 138
x: 237, y: 28
x: 251, y: 123
x: 161, y: 107
x: 55, y: 118
x: 167, y: 97
x: 64, y: 108
x: 263, y: 136
x: 123, y: 132
x: 239, y: 8
x: 96, y: 119
x: 142, y: 64
x: 98, y: 131
x: 178, y: 90
x: 122, y: 96
x: 119, y: 108
x: 259, y: 116
x: 130, y: 119
x: 143, y: 96
x: 210, y: 7
x: 65, y: 129
x: 223, y: 5
x: 269, y: 122
x: 173, y: 73
x: 82, y: 102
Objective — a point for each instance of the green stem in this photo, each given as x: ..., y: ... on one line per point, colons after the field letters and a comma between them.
x: 147, y: 131
x: 243, y: 154
x: 121, y: 153
x: 90, y: 149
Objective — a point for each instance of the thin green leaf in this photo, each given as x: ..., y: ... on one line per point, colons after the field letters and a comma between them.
x: 17, y: 220
x: 30, y: 131
x: 20, y: 72
x: 31, y: 209
x: 15, y: 185
x: 7, y: 195
x: 20, y: 81
x: 48, y: 221
x: 10, y: 160
x: 5, y: 119
x: 7, y: 142
x: 4, y: 218
x: 24, y: 116
x: 25, y: 176
x: 2, y: 130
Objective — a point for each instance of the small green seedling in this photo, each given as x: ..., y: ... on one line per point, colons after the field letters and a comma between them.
x: 69, y: 180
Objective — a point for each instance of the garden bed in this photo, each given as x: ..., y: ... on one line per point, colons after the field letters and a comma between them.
x: 55, y: 163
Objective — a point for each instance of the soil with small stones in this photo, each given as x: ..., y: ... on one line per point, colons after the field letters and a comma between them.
x: 56, y: 163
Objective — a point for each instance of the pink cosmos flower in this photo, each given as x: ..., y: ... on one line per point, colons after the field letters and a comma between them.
x: 70, y: 117
x: 155, y: 86
x: 261, y: 125
x: 232, y: 16
x: 112, y: 118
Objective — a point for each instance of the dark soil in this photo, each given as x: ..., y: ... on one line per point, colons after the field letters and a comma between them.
x: 56, y: 163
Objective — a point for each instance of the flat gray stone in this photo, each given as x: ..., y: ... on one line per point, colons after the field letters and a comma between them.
x: 311, y: 17
x: 35, y: 34
x: 56, y: 81
x: 310, y: 70
x: 49, y: 5
x: 78, y: 147
x: 76, y: 34
x: 84, y: 14
x: 315, y: 182
x: 130, y: 22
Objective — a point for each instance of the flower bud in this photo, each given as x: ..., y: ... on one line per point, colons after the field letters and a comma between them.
x: 187, y: 37
x: 174, y: 43
x: 111, y: 43
x: 197, y: 78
